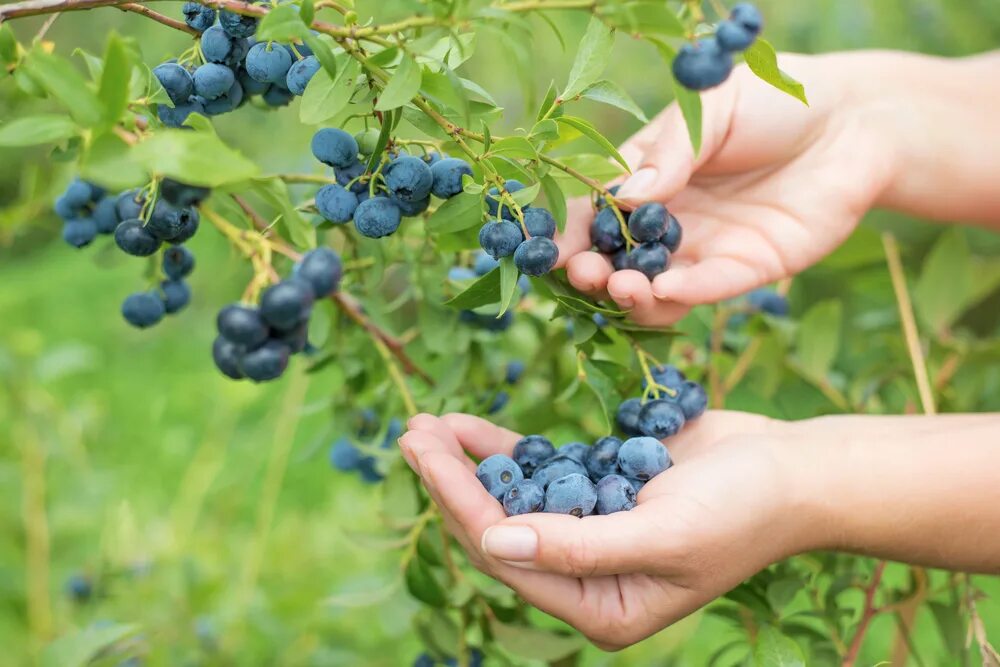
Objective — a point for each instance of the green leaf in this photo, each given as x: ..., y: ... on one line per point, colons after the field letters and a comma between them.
x: 556, y: 200
x: 34, y: 130
x: 604, y: 389
x: 763, y: 61
x: 526, y: 195
x: 324, y: 97
x: 819, y: 338
x: 690, y: 103
x: 307, y: 12
x: 776, y: 650
x: 8, y: 45
x: 113, y: 91
x: 275, y: 192
x: 591, y: 59
x: 398, y: 496
x: 950, y: 625
x: 198, y: 158
x: 404, y: 84
x: 483, y: 292
x: 547, y: 101
x: 609, y: 92
x: 423, y: 584
x: 460, y: 212
x: 508, y: 283
x: 283, y: 23
x: 534, y: 643
x: 437, y: 632
x: 545, y: 130
x: 438, y: 87
x: 594, y: 135
x: 947, y: 282
x: 643, y: 17
x: 79, y: 648
x: 110, y: 162
x: 517, y: 147
x: 323, y: 53
x: 64, y: 83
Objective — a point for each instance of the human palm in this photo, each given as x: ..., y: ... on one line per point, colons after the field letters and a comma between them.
x: 622, y: 577
x: 777, y: 186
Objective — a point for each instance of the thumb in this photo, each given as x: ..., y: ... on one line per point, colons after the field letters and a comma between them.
x: 593, y: 546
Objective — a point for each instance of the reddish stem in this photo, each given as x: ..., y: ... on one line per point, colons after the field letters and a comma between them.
x: 866, y: 616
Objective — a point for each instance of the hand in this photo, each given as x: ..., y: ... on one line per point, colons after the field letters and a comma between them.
x: 722, y: 513
x: 776, y: 188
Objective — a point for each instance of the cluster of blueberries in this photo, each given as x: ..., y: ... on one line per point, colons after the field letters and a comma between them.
x: 257, y: 342
x: 655, y: 231
x: 512, y: 375
x: 377, y: 202
x: 762, y: 300
x: 235, y: 68
x: 426, y: 660
x: 481, y: 265
x: 708, y: 62
x: 529, y: 241
x: 347, y: 457
x: 140, y: 223
x: 681, y: 400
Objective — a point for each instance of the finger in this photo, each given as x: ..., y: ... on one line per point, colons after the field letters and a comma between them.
x: 576, y: 237
x: 414, y: 444
x: 632, y: 291
x: 433, y: 424
x: 589, y: 272
x: 711, y: 280
x: 480, y: 437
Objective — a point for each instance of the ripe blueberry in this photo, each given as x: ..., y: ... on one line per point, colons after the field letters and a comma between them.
x: 176, y: 295
x: 129, y: 204
x: 602, y: 458
x: 573, y: 494
x: 301, y: 73
x: 557, y: 467
x: 66, y: 209
x: 135, y: 239
x: 80, y: 232
x: 514, y: 371
x: 178, y: 115
x: 648, y: 222
x: 606, y: 231
x: 267, y: 362
x: 702, y: 65
x: 287, y: 303
x: 447, y: 174
x: 614, y: 494
x: 575, y: 450
x: 408, y: 178
x: 733, y: 36
x: 226, y: 355
x: 143, y: 309
x: 335, y: 203
x: 350, y: 177
x: 344, y: 455
x: 278, y: 96
x: 531, y: 451
x: 268, y: 62
x: 643, y: 458
x: 182, y: 194
x: 77, y: 194
x: 661, y: 419
x: 524, y: 497
x: 198, y: 16
x: 601, y: 202
x: 168, y: 222
x: 460, y: 273
x: 106, y: 216
x: 176, y: 81
x: 242, y: 325
x: 693, y: 400
x: 228, y: 101
x: 237, y: 25
x: 539, y: 222
x: 650, y: 259
x: 500, y: 238
x: 637, y: 484
x: 494, y: 201
x: 536, y: 256
x: 377, y: 217
x: 251, y: 86
x: 498, y: 403
x: 321, y: 269
x: 498, y: 473
x: 335, y: 148
x: 620, y: 260
x: 627, y: 416
x: 188, y: 226
x: 412, y: 209
x: 296, y: 338
x: 768, y: 301
x: 483, y: 263
x: 213, y: 80
x: 668, y: 376
x: 672, y: 237
x: 747, y: 16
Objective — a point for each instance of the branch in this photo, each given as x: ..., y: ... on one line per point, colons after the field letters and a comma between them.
x: 866, y: 615
x: 159, y: 18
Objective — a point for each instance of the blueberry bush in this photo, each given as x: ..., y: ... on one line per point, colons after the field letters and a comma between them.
x: 402, y: 260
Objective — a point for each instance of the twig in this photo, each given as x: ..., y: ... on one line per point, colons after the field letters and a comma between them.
x: 159, y: 18
x: 867, y: 614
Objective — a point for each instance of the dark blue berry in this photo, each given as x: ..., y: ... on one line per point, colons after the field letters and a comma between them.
x: 650, y: 259
x: 447, y: 174
x: 181, y: 194
x: 78, y: 194
x: 267, y: 362
x: 573, y: 494
x: 278, y: 96
x: 627, y: 416
x: 408, y: 178
x: 539, y: 222
x: 648, y: 222
x: 79, y: 587
x: 747, y: 16
x: 412, y: 209
x: 495, y: 202
x: 557, y: 467
x: 483, y: 263
x: 536, y: 256
x: 336, y: 204
x: 189, y: 222
x: 693, y: 400
x: 606, y: 231
x: 601, y: 202
x: 80, y: 232
x: 133, y: 238
x: 620, y: 260
x: 768, y: 301
x: 637, y: 484
x: 602, y: 458
x: 176, y: 81
x: 226, y: 102
x: 672, y: 237
x: 660, y: 419
x: 498, y: 473
x: 531, y: 451
x: 167, y: 222
x: 667, y: 376
x: 500, y: 238
x: 377, y: 217
x: 301, y: 73
x: 575, y: 450
x: 733, y: 37
x: 198, y: 16
x: 143, y: 309
x: 213, y: 80
x: 242, y: 325
x: 178, y: 115
x: 287, y: 303
x: 66, y: 209
x: 514, y: 371
x: 702, y: 65
x: 350, y: 177
x: 615, y: 494
x: 643, y: 458
x: 252, y: 86
x: 344, y: 455
x: 267, y: 62
x: 321, y: 269
x: 296, y: 338
x: 176, y: 295
x: 524, y: 497
x: 335, y: 148
x: 237, y: 25
x: 498, y: 403
x: 227, y: 355
x: 106, y: 216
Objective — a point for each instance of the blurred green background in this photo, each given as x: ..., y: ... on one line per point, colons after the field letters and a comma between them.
x: 205, y: 511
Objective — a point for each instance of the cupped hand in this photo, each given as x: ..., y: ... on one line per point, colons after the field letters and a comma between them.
x: 776, y: 187
x: 723, y: 512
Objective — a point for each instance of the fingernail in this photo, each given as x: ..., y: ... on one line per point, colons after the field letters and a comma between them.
x: 661, y: 289
x: 639, y: 184
x: 515, y: 543
x: 623, y: 301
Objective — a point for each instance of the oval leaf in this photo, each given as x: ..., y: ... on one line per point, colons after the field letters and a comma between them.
x: 404, y: 84
x: 34, y: 130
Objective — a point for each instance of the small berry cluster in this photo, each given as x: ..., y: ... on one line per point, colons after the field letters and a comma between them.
x: 499, y: 398
x: 528, y: 239
x: 348, y: 457
x: 654, y: 234
x: 234, y: 67
x: 378, y: 201
x: 256, y: 343
x: 481, y: 265
x: 682, y: 400
x: 761, y: 300
x: 708, y: 62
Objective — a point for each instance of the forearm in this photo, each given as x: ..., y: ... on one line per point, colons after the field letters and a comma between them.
x: 940, y: 116
x: 923, y: 490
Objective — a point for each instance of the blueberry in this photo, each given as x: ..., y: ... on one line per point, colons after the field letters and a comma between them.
x: 79, y: 587
x: 252, y: 86
x: 650, y: 259
x: 514, y: 371
x: 176, y: 81
x: 557, y: 467
x: 498, y: 403
x: 135, y: 239
x: 531, y: 451
x: 301, y: 73
x: 344, y: 455
x: 143, y: 309
x: 106, y: 216
x: 648, y: 222
x: 77, y: 195
x: 176, y: 295
x: 168, y: 222
x: 408, y: 178
x: 296, y: 338
x: 238, y: 54
x: 237, y: 25
x: 575, y: 450
x: 733, y: 37
x: 335, y: 203
x: 602, y: 458
x: 660, y: 419
x: 643, y: 458
x: 702, y: 65
x: 539, y: 222
x: 606, y: 231
x: 377, y: 217
x: 368, y: 468
x: 447, y: 176
x: 627, y: 416
x: 335, y: 148
x: 178, y: 115
x: 693, y: 400
x: 600, y: 320
x: 500, y: 238
x: 227, y: 355
x: 498, y: 473
x: 493, y: 199
x: 620, y: 260
x: 198, y: 16
x: 412, y: 209
x: 672, y: 237
x: 182, y: 194
x: 483, y: 263
x: 267, y: 362
x: 228, y: 101
x: 213, y: 80
x: 668, y: 376
x: 188, y: 227
x: 366, y: 423
x: 350, y: 177
x: 536, y: 256
x: 287, y: 303
x: 424, y: 660
x: 573, y: 494
x: 615, y: 494
x: 432, y: 158
x: 66, y: 209
x: 747, y: 16
x: 321, y: 269
x: 278, y: 96
x: 768, y: 301
x: 637, y: 484
x: 242, y: 325
x: 460, y: 273
x: 524, y: 497
x: 80, y: 232
x: 267, y: 62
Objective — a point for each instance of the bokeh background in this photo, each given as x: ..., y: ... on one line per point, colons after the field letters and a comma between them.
x: 205, y: 511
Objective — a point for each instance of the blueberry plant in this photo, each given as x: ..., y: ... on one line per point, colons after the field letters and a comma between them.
x: 416, y: 205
